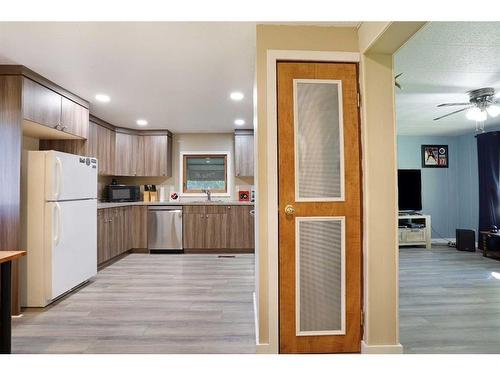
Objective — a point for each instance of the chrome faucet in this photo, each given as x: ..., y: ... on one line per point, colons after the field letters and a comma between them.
x: 208, y: 193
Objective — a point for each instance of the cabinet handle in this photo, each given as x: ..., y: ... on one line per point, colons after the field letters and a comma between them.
x: 201, y: 216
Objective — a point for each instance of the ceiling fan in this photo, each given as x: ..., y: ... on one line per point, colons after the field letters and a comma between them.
x: 482, y: 103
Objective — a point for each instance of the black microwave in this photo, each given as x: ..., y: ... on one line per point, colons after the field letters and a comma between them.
x: 123, y: 193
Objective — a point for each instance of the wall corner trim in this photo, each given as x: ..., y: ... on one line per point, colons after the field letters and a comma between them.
x: 381, y: 349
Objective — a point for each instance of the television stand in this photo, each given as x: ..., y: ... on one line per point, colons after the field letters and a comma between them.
x: 414, y: 230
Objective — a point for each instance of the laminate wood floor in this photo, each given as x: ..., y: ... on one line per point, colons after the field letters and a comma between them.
x: 449, y: 301
x: 162, y: 303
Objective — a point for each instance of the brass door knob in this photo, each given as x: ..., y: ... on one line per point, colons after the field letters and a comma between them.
x: 289, y: 210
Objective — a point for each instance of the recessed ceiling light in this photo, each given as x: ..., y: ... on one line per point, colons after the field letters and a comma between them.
x: 102, y: 98
x: 141, y: 122
x: 239, y: 122
x: 236, y: 96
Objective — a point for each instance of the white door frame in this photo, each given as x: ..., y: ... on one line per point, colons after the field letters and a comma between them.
x: 273, y: 56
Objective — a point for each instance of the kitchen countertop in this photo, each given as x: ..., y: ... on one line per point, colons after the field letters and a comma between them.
x: 101, y: 205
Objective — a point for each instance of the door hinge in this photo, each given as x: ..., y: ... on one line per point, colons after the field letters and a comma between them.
x: 359, y: 100
x: 362, y: 318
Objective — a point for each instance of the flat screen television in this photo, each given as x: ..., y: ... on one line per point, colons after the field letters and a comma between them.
x: 409, y: 190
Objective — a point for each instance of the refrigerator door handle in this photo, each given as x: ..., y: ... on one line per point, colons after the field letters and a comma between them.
x: 58, y: 178
x: 57, y: 237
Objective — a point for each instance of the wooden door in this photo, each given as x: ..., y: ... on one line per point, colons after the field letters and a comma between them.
x: 319, y: 208
x: 40, y: 104
x: 74, y: 118
x: 240, y: 227
x: 155, y: 155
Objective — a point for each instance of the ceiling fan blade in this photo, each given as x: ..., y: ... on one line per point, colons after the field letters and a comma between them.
x: 452, y: 104
x: 452, y: 113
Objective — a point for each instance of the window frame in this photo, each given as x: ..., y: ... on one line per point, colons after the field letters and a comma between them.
x: 187, y: 155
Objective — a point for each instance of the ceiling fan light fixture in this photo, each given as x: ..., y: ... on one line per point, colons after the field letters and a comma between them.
x: 493, y: 110
x: 476, y: 114
x: 473, y: 114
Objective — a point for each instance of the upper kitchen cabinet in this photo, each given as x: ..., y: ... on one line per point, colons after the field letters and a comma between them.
x: 243, y: 153
x: 157, y: 155
x: 50, y: 115
x: 123, y: 155
x: 40, y: 104
x: 129, y: 154
x: 74, y: 118
x: 105, y: 149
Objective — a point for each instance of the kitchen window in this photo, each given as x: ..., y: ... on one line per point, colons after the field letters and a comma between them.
x: 201, y: 172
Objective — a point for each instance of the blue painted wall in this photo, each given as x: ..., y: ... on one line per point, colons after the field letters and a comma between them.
x: 440, y: 191
x: 456, y: 204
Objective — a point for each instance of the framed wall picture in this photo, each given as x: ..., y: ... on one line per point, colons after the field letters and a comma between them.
x: 435, y: 156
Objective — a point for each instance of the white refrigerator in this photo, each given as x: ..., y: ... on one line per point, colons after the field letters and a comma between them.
x: 61, y: 225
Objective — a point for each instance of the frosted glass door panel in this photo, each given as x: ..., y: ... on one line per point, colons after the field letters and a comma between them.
x: 319, y: 145
x: 320, y: 284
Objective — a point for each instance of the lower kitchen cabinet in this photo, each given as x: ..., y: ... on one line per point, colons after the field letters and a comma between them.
x: 240, y: 227
x: 218, y: 228
x: 193, y: 227
x: 139, y: 227
x: 119, y: 230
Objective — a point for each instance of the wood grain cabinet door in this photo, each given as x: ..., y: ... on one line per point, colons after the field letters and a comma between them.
x: 92, y: 143
x: 240, y: 227
x: 156, y: 155
x: 102, y: 236
x: 74, y: 118
x: 137, y: 155
x: 105, y: 144
x: 40, y: 104
x: 244, y: 153
x: 193, y: 227
x: 215, y: 227
x: 123, y: 155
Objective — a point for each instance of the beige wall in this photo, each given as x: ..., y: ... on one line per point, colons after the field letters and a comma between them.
x: 379, y: 169
x: 192, y: 142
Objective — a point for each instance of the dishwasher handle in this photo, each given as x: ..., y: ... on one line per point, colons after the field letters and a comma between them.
x: 168, y: 209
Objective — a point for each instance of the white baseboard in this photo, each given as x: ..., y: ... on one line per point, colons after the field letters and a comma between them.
x: 381, y: 349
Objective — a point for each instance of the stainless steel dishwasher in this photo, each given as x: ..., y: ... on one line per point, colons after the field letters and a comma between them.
x: 165, y: 228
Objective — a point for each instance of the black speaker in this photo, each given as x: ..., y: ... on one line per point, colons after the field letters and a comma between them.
x: 466, y: 240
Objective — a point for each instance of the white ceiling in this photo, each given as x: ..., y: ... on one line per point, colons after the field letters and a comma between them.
x: 440, y: 64
x: 176, y: 75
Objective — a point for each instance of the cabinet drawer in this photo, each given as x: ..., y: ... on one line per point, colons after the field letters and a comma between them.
x: 194, y: 209
x: 414, y: 235
x: 216, y: 209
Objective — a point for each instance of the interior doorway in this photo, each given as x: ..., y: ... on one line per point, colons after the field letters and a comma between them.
x: 448, y: 290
